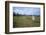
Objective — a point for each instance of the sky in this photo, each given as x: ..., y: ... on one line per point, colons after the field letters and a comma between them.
x: 27, y: 10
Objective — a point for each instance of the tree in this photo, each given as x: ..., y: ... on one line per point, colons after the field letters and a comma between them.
x: 14, y: 14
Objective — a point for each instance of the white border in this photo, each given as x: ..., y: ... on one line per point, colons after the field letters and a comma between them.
x: 11, y: 29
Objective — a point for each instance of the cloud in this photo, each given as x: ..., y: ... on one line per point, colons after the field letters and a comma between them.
x: 27, y: 10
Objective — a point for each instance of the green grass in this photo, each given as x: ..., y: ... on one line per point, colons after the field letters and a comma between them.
x: 26, y: 21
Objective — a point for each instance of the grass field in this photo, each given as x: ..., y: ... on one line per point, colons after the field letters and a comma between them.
x: 25, y: 21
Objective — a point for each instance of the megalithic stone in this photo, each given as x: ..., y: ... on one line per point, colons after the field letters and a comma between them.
x: 33, y: 18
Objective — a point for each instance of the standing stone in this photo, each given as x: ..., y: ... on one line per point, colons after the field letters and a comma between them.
x: 33, y: 18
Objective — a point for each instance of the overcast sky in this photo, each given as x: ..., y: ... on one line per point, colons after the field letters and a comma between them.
x: 27, y: 10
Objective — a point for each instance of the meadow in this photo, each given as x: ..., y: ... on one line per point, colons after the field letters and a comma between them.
x: 25, y: 21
